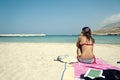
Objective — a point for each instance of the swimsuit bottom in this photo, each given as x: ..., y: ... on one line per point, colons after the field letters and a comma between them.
x: 88, y: 60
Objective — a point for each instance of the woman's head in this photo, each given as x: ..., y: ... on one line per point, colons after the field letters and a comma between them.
x: 86, y: 31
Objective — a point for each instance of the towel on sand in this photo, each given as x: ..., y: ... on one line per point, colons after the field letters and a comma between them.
x: 81, y: 68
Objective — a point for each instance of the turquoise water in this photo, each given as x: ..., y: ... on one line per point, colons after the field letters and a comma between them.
x: 61, y: 39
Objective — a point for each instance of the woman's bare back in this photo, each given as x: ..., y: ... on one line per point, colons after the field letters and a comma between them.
x: 87, y: 47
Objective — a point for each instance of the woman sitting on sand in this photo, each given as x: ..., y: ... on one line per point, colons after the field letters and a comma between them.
x: 85, y: 46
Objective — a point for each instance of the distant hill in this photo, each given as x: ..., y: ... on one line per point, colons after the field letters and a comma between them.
x: 110, y: 29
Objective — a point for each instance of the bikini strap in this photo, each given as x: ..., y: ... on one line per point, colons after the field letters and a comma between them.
x: 86, y: 44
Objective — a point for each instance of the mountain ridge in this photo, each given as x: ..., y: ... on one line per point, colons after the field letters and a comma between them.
x: 110, y: 29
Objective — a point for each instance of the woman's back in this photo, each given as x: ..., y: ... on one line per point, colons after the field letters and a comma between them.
x: 86, y: 47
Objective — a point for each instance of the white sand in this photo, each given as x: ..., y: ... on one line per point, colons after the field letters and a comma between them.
x: 35, y: 61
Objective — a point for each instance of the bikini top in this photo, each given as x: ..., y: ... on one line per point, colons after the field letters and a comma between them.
x: 87, y: 44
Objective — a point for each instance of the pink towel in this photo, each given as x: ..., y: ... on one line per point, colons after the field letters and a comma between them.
x: 81, y: 68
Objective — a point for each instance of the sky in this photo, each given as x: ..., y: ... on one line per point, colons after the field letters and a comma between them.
x: 56, y: 17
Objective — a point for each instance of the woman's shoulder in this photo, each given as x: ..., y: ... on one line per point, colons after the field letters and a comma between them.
x: 82, y: 37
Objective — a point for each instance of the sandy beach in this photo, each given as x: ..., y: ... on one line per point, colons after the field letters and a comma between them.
x: 35, y: 61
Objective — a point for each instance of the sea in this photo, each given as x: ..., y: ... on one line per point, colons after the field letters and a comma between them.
x: 101, y: 39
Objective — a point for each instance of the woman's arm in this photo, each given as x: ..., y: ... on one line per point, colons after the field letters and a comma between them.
x: 78, y: 42
x: 79, y: 50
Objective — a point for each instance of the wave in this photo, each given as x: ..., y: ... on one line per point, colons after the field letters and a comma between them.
x: 22, y: 35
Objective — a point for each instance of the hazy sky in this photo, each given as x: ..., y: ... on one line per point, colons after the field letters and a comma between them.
x: 56, y: 16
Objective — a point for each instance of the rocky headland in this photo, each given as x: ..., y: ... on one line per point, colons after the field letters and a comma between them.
x: 111, y: 29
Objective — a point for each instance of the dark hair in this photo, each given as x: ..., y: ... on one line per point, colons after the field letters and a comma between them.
x: 87, y: 32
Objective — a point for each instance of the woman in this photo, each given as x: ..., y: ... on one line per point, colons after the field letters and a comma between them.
x: 85, y: 45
